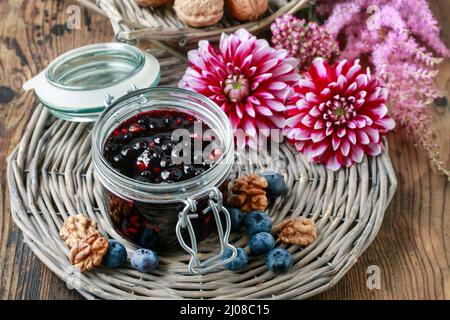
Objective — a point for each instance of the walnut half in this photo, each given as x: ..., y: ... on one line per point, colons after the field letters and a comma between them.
x: 301, y: 231
x: 248, y: 193
x: 87, y: 245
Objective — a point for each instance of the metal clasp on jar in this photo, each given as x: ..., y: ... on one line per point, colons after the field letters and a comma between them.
x: 215, y: 204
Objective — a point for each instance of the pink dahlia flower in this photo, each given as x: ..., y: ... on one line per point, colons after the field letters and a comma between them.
x: 247, y: 78
x: 340, y: 114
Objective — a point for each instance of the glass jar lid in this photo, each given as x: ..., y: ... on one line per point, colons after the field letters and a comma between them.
x: 75, y: 84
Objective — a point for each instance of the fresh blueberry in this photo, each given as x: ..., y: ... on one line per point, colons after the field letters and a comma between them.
x: 240, y: 262
x: 261, y: 243
x: 257, y: 221
x: 276, y: 185
x: 237, y: 219
x: 279, y: 260
x: 116, y: 255
x: 144, y: 260
x: 149, y: 239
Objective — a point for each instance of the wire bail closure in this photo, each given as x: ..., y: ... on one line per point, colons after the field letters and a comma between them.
x: 215, y: 204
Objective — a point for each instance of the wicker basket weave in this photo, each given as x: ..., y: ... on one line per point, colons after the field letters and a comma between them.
x: 131, y: 22
x: 50, y: 177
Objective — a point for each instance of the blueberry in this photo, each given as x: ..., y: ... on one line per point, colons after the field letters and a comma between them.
x: 279, y: 260
x: 257, y: 221
x: 237, y: 219
x: 149, y: 239
x: 240, y: 262
x: 261, y: 243
x: 276, y: 185
x: 144, y: 260
x: 116, y: 255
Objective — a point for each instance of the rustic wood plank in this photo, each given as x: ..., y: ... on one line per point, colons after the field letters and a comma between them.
x: 412, y: 249
x: 32, y: 33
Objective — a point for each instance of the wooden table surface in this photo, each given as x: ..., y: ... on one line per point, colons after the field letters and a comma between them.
x: 412, y: 249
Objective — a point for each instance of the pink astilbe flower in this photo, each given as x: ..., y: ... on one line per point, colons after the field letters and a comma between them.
x: 247, y: 78
x: 388, y: 33
x: 303, y: 40
x: 340, y: 115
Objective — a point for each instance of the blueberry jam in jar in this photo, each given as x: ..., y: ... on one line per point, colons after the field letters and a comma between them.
x: 155, y: 150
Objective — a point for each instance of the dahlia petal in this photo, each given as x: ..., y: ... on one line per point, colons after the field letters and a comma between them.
x: 351, y: 88
x: 319, y: 124
x: 318, y: 135
x: 268, y: 65
x: 375, y: 94
x: 373, y: 149
x: 264, y: 111
x: 253, y: 100
x: 341, y: 81
x: 252, y: 142
x: 363, y: 138
x: 249, y: 128
x: 308, y: 120
x: 312, y: 98
x: 329, y: 131
x: 262, y: 77
x: 361, y: 80
x: 335, y: 141
x: 386, y: 123
x: 306, y: 83
x: 294, y: 120
x: 341, y: 132
x: 264, y: 95
x: 278, y: 121
x: 355, y: 69
x: 282, y: 69
x: 345, y: 147
x: 250, y: 110
x: 359, y: 121
x: 351, y: 124
x: 315, y: 112
x: 332, y: 163
x: 325, y: 92
x: 318, y: 67
x: 357, y: 153
x: 379, y: 111
x: 373, y: 134
x: 303, y: 134
x: 351, y: 136
x: 238, y: 108
x: 317, y: 149
x: 276, y: 85
x: 340, y: 67
x: 275, y: 105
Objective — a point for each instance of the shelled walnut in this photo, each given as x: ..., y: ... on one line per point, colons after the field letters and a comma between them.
x: 301, y: 231
x: 87, y: 245
x: 76, y: 228
x: 248, y: 193
x: 88, y: 252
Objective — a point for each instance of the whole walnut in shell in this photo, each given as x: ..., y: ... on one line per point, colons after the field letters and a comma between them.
x: 199, y: 13
x: 247, y: 10
x: 248, y: 193
x: 153, y: 3
x: 301, y: 231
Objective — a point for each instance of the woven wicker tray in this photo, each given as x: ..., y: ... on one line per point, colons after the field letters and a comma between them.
x: 50, y: 177
x: 131, y: 22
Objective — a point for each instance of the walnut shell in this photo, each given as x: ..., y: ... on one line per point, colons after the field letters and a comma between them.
x: 199, y: 13
x: 247, y: 10
x: 153, y: 3
x: 88, y: 252
x: 76, y: 228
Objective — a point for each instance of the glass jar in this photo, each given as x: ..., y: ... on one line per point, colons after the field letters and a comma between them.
x: 74, y: 85
x: 157, y: 216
